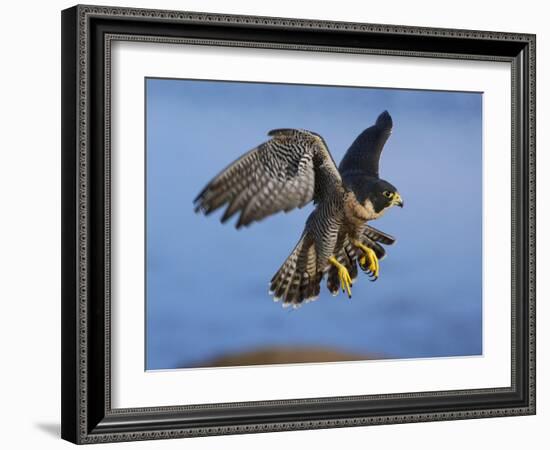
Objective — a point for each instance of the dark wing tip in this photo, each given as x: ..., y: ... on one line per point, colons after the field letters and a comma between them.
x: 384, y: 120
x: 200, y: 195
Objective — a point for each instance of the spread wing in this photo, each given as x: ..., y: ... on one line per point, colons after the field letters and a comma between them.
x: 286, y: 172
x: 363, y: 156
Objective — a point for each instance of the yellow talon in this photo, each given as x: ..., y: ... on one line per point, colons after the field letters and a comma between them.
x: 370, y: 256
x: 343, y: 274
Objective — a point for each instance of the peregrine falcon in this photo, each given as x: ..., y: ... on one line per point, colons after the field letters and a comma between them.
x: 293, y: 168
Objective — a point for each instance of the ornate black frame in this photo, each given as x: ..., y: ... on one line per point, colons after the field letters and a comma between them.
x: 87, y: 31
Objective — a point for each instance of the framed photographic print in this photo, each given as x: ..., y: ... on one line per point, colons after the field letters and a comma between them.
x: 375, y: 260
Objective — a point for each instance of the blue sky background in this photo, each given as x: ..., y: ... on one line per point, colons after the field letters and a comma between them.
x: 207, y: 283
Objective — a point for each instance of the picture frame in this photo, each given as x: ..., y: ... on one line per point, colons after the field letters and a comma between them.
x: 88, y: 415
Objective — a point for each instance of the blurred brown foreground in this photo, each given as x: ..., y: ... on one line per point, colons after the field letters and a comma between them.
x: 285, y: 355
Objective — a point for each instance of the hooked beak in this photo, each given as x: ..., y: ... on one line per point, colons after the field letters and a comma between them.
x: 397, y: 200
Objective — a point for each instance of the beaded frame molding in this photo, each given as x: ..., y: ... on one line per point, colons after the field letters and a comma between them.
x: 87, y: 34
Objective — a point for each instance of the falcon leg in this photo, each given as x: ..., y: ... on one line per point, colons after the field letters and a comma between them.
x: 369, y: 256
x: 343, y: 274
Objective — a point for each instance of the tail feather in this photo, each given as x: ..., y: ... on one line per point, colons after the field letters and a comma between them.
x: 333, y: 281
x: 297, y: 279
x: 378, y: 236
x: 351, y: 264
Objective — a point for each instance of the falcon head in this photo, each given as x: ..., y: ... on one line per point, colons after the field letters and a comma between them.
x: 377, y: 195
x: 384, y: 195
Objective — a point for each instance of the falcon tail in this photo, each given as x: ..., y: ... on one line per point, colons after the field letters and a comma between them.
x: 297, y: 280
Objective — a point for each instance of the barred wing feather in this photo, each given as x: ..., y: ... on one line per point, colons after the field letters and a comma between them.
x: 279, y: 175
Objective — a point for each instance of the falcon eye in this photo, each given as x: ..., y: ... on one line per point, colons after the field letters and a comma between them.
x: 387, y: 194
